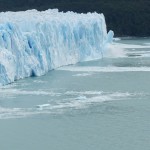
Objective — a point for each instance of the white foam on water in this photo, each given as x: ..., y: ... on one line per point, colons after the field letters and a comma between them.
x: 39, y: 81
x: 114, y: 51
x: 105, y: 69
x: 81, y: 102
x: 120, y: 50
x: 147, y: 44
x: 89, y: 98
x: 124, y: 46
x: 13, y: 113
x: 42, y: 106
x: 116, y: 39
x: 117, y: 50
x: 139, y: 52
x: 82, y: 74
x: 81, y: 98
x: 84, y: 92
x: 9, y: 93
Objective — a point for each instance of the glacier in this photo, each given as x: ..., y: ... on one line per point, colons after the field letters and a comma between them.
x: 33, y: 42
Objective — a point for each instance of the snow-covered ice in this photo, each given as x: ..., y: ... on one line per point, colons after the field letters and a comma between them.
x: 33, y: 42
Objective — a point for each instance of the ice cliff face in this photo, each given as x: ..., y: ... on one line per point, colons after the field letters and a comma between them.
x: 32, y: 42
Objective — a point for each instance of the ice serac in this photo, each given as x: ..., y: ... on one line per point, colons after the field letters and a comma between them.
x: 33, y: 42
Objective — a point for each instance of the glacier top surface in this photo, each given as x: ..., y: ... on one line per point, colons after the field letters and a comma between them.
x: 48, y: 15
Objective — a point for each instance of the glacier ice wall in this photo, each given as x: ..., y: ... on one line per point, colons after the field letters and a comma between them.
x: 32, y: 42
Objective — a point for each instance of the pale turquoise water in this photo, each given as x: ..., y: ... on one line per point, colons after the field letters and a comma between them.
x: 96, y: 105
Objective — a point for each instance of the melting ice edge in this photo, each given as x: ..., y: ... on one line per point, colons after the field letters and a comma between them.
x: 33, y: 42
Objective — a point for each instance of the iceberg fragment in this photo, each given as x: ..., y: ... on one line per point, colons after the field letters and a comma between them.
x: 33, y: 42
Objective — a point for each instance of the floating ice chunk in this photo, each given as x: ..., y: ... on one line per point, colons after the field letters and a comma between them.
x: 41, y: 107
x: 82, y: 97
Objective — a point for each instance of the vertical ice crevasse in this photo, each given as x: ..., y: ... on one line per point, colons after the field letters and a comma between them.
x: 33, y: 42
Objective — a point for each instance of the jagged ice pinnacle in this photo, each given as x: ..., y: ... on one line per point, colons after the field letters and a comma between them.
x: 33, y: 42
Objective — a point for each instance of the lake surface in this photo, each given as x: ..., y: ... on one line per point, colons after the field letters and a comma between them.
x: 95, y: 105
